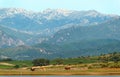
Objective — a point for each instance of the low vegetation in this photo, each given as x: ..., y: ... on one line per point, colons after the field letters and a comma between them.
x: 111, y: 60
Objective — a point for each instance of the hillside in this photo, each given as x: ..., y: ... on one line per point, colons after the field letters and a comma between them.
x: 107, y: 30
x: 57, y: 33
x: 44, y: 24
x: 11, y: 38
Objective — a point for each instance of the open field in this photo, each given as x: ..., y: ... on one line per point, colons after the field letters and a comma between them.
x: 97, y: 65
x: 59, y: 70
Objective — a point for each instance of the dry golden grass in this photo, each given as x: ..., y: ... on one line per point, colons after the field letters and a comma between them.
x: 61, y: 71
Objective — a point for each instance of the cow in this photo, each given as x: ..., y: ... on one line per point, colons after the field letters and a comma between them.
x: 32, y: 69
x: 67, y: 68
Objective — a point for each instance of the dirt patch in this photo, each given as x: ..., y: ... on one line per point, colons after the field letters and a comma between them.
x: 7, y: 64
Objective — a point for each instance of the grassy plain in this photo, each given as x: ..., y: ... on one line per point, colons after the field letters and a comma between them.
x: 96, y: 65
x: 79, y: 69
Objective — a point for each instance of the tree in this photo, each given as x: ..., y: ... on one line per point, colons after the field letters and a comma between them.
x: 7, y: 59
x: 16, y: 66
x: 104, y: 58
x: 115, y: 58
x: 40, y: 62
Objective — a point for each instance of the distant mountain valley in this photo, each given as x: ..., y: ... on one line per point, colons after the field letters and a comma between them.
x: 57, y: 33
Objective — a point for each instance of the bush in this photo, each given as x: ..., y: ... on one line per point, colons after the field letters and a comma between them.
x: 7, y: 59
x: 16, y: 66
x: 114, y: 65
x: 104, y: 65
x: 40, y: 62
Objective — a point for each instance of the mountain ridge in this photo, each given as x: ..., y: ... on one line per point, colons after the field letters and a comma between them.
x: 57, y: 33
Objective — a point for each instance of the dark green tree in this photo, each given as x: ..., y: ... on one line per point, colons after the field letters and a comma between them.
x: 16, y: 66
x: 40, y: 62
x: 115, y: 57
x: 7, y: 59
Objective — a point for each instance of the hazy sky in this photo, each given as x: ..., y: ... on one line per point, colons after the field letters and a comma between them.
x: 104, y: 6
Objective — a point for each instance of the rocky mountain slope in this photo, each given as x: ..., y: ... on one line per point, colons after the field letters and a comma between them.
x: 57, y: 33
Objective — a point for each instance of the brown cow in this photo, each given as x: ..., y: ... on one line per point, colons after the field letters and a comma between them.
x: 32, y: 69
x: 67, y: 68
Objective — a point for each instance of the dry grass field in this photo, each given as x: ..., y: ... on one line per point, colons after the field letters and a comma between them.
x: 59, y: 70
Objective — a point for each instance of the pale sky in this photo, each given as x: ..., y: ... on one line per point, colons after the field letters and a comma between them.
x: 104, y: 6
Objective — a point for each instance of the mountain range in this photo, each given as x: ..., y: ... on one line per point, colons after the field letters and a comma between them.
x: 57, y: 33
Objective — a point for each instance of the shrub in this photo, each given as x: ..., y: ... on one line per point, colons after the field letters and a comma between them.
x: 40, y: 62
x: 16, y: 66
